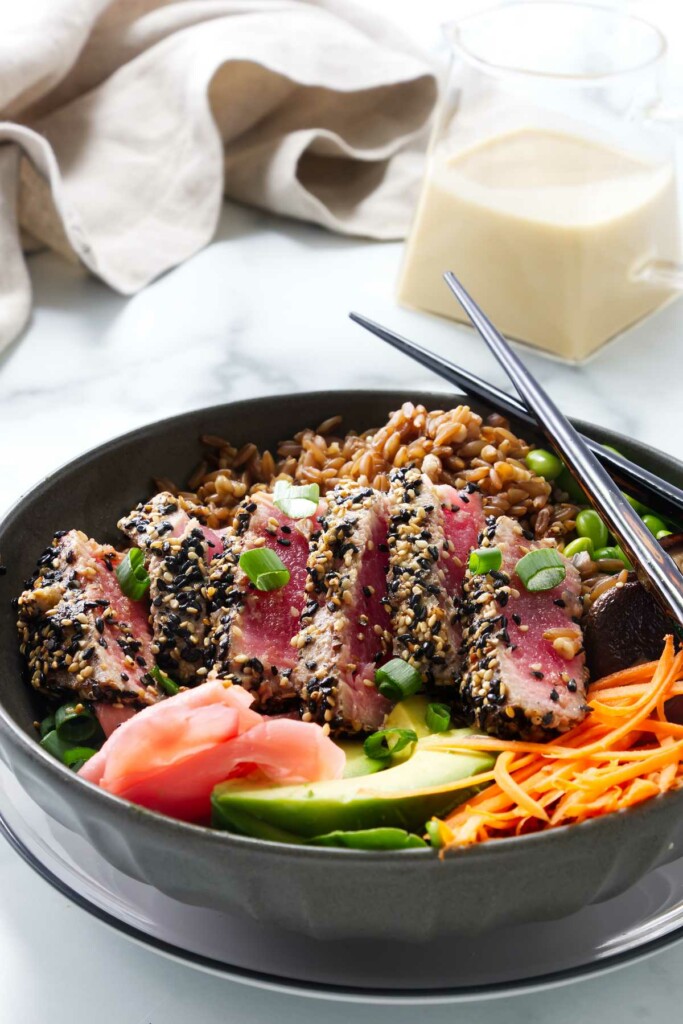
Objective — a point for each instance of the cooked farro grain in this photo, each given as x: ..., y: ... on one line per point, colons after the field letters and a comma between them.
x: 454, y: 446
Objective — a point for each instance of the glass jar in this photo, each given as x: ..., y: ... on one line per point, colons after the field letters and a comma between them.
x: 550, y: 187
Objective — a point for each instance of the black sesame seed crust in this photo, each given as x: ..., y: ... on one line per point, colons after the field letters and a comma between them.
x: 488, y: 617
x: 325, y: 674
x: 74, y: 640
x: 424, y: 616
x: 228, y: 593
x: 177, y: 566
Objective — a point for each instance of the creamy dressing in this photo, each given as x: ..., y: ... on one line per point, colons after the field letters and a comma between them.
x: 547, y: 232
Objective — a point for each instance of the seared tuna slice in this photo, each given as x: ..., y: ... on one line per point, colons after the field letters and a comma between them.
x: 525, y: 668
x: 345, y: 624
x: 251, y: 630
x: 80, y: 634
x: 463, y: 521
x: 177, y: 550
x: 426, y: 568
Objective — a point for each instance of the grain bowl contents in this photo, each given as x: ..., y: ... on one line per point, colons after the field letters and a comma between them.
x: 370, y: 640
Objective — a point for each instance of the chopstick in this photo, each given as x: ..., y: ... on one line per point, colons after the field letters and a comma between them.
x: 653, y: 564
x: 651, y: 490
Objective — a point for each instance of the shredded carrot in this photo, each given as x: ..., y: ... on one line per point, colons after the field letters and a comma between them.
x: 624, y: 752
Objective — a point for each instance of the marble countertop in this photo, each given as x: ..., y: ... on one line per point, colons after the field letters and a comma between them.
x: 261, y: 312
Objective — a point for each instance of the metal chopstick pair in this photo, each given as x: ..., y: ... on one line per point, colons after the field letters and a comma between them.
x: 582, y: 456
x: 659, y: 495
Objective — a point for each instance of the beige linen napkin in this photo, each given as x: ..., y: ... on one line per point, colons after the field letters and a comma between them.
x: 123, y: 124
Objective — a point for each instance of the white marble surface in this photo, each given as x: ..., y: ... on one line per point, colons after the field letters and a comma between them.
x: 262, y: 311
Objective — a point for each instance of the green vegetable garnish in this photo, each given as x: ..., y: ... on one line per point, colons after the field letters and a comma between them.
x: 164, y: 681
x: 77, y: 756
x: 397, y: 680
x: 590, y: 525
x: 484, y: 560
x: 541, y: 569
x: 296, y: 501
x: 438, y: 717
x: 264, y: 569
x: 52, y: 743
x: 634, y: 503
x: 70, y: 754
x: 614, y: 553
x: 75, y: 723
x: 664, y: 533
x: 566, y: 482
x: 388, y: 742
x: 132, y: 576
x: 580, y: 544
x: 432, y: 830
x: 654, y: 524
x: 381, y: 838
x: 47, y: 725
x: 544, y: 463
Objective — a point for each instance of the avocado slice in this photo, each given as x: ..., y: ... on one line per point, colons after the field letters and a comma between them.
x: 371, y: 839
x: 410, y: 714
x: 357, y: 761
x: 390, y: 798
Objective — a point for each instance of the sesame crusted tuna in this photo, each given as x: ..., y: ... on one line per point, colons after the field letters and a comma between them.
x: 177, y: 551
x: 463, y: 521
x: 425, y: 574
x: 79, y: 633
x: 252, y: 630
x: 345, y: 624
x: 525, y: 668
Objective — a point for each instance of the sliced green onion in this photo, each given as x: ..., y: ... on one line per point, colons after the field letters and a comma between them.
x: 77, y: 756
x: 397, y: 680
x: 264, y: 569
x: 386, y: 743
x: 296, y: 501
x: 381, y: 838
x: 580, y: 544
x: 541, y: 569
x: 75, y: 723
x: 484, y: 560
x: 164, y: 681
x: 433, y: 831
x: 132, y: 576
x: 47, y: 725
x: 52, y: 743
x: 438, y: 717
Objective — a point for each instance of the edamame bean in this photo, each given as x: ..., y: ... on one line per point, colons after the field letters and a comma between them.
x: 612, y: 553
x: 624, y: 557
x: 566, y: 482
x: 654, y: 524
x: 580, y: 544
x: 635, y: 504
x: 544, y: 463
x: 589, y: 524
x: 605, y: 552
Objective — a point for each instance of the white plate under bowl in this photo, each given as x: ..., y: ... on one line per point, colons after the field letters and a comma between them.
x: 600, y: 938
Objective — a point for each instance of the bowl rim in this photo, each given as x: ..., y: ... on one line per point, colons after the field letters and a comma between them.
x: 127, y: 810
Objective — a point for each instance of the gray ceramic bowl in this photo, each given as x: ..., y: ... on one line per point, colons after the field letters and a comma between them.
x: 409, y: 895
